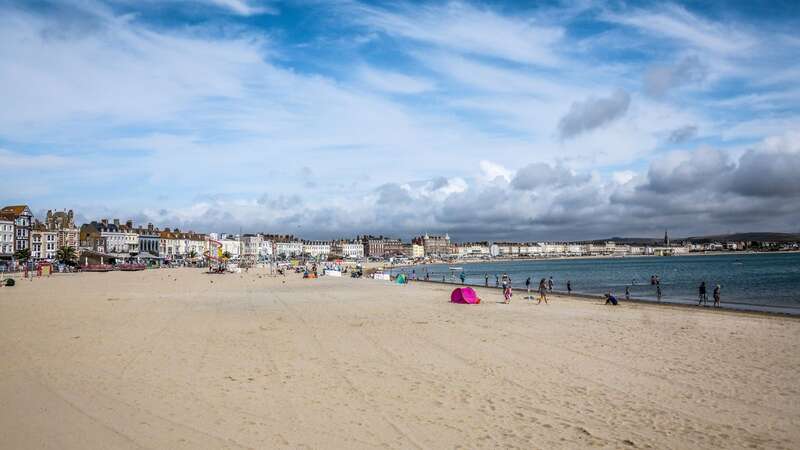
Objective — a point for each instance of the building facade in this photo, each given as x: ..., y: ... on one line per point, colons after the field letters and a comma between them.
x: 317, y: 249
x: 149, y: 239
x: 112, y: 238
x: 6, y: 236
x: 288, y: 249
x: 23, y: 222
x: 44, y: 243
x: 63, y: 223
x: 435, y: 246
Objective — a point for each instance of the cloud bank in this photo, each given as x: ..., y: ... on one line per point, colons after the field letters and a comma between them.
x: 334, y: 118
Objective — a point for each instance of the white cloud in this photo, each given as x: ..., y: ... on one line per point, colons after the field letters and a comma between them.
x: 243, y: 7
x: 676, y: 23
x: 490, y: 171
x: 470, y: 30
x: 394, y: 82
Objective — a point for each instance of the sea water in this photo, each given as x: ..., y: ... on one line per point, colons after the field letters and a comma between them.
x: 768, y: 281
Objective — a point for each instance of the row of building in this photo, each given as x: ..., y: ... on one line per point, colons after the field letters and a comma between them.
x: 19, y: 230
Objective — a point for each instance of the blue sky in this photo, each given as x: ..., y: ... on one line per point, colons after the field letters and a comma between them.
x: 485, y: 120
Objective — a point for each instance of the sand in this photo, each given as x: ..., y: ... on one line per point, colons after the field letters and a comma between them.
x: 176, y: 358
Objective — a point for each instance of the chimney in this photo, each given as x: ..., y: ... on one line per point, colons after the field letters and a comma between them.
x: 129, y: 224
x: 104, y: 222
x: 116, y: 222
x: 166, y: 230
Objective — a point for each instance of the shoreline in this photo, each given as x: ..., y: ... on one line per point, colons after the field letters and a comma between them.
x: 745, y: 308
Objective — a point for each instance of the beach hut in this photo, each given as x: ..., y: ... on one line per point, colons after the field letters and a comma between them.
x: 465, y: 295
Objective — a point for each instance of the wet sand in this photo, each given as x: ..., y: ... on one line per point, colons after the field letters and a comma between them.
x: 180, y: 359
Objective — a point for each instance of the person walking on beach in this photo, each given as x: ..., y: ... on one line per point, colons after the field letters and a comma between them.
x: 528, y: 287
x: 701, y: 294
x: 496, y: 281
x: 627, y: 293
x: 550, y: 284
x: 463, y: 277
x: 505, y: 280
x: 507, y: 294
x: 486, y: 276
x: 716, y: 295
x: 569, y: 287
x: 542, y: 292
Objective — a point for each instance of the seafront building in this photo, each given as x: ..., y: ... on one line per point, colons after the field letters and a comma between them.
x: 6, y: 236
x: 435, y: 246
x: 317, y: 249
x: 149, y: 240
x: 23, y: 221
x: 109, y: 238
x: 63, y: 223
x: 472, y: 250
x: 43, y: 242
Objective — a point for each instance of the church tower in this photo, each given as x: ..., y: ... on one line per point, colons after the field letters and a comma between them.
x: 666, y: 238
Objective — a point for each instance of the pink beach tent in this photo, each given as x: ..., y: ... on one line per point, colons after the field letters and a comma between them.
x: 464, y: 295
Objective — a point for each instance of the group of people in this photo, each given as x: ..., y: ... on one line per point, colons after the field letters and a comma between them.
x: 546, y: 286
x: 702, y: 294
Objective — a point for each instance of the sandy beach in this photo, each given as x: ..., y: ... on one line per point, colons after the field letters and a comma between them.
x: 176, y: 358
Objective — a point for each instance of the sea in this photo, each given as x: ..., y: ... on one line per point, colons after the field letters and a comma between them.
x: 752, y: 281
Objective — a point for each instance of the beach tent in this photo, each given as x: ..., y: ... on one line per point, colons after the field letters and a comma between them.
x: 464, y: 295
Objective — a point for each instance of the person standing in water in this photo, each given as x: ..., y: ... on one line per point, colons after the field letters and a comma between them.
x: 569, y: 287
x: 627, y: 293
x: 550, y: 284
x: 701, y: 294
x: 463, y: 277
x: 658, y: 291
x: 496, y: 281
x: 542, y: 292
x: 528, y: 287
x: 486, y: 276
x: 716, y: 295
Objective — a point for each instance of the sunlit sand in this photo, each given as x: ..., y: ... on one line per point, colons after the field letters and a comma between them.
x: 181, y: 359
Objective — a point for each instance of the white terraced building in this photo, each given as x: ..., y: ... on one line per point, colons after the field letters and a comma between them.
x: 317, y: 249
x: 352, y: 249
x: 288, y: 249
x: 6, y: 236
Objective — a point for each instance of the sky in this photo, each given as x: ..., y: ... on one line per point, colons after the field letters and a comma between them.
x: 489, y: 121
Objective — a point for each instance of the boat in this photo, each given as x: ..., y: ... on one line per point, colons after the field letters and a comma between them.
x: 456, y: 268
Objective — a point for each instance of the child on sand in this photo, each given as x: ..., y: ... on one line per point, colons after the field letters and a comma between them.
x: 507, y: 294
x: 542, y: 292
x: 611, y: 299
